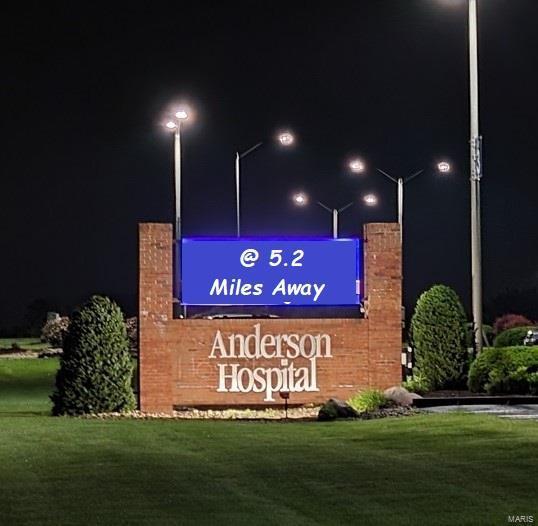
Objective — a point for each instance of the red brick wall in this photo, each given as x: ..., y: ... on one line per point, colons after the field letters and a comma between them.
x: 175, y: 368
x: 383, y: 287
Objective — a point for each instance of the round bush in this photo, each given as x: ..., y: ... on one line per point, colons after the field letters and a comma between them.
x: 438, y: 333
x: 506, y: 370
x: 511, y: 337
x: 95, y: 369
x: 510, y: 321
x: 54, y: 331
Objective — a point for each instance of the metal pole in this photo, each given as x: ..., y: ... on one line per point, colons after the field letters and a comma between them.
x: 177, y: 230
x: 400, y: 206
x: 335, y: 224
x: 237, y: 194
x: 475, y: 145
x: 177, y: 178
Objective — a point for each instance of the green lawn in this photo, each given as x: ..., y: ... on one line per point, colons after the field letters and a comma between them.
x: 25, y: 385
x: 28, y: 344
x: 428, y: 470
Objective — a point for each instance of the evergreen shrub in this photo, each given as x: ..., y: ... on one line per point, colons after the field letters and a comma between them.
x: 438, y: 335
x: 95, y: 368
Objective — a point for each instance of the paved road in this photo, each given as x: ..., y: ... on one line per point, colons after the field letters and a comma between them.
x: 528, y: 412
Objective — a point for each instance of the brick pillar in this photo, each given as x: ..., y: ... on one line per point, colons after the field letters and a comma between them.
x: 383, y: 289
x: 155, y: 312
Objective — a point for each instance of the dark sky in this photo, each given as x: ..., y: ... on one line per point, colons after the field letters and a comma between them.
x: 87, y: 85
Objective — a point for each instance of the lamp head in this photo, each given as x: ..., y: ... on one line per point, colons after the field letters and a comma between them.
x: 300, y: 199
x: 443, y: 167
x: 356, y: 166
x: 286, y: 138
x: 370, y: 199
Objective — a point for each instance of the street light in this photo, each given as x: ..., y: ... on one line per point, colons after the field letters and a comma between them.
x: 370, y: 199
x: 443, y: 167
x: 476, y: 174
x: 285, y: 138
x: 175, y: 125
x: 356, y: 166
x: 475, y: 143
x: 301, y: 199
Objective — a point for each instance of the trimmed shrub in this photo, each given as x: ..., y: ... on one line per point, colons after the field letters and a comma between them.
x: 131, y: 325
x: 336, y: 408
x: 95, y: 368
x: 327, y: 411
x: 369, y: 401
x: 509, y: 321
x: 418, y: 384
x: 506, y: 370
x: 438, y: 335
x: 511, y: 337
x: 54, y: 331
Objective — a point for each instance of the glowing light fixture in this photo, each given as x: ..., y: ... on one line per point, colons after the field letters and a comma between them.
x: 443, y: 167
x: 286, y: 138
x: 300, y: 199
x: 356, y: 166
x: 370, y: 199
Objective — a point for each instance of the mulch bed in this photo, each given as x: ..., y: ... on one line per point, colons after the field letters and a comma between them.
x: 450, y: 393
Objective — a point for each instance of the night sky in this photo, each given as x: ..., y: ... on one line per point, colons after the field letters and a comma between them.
x: 85, y: 157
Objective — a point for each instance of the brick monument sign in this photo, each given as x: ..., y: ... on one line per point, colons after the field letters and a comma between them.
x: 247, y: 362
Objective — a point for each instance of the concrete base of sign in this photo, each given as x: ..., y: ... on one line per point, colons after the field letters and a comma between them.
x: 242, y: 362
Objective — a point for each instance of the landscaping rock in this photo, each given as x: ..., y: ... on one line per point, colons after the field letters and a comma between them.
x: 335, y: 408
x: 400, y: 396
x: 307, y: 412
x: 50, y: 353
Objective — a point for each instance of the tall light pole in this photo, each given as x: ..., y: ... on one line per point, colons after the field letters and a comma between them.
x: 175, y: 126
x: 442, y: 167
x: 301, y: 199
x: 286, y: 139
x: 476, y: 174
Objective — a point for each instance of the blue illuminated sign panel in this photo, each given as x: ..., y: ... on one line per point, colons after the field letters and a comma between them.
x: 265, y: 271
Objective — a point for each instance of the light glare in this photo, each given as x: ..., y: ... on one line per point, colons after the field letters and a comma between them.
x: 370, y: 199
x: 171, y: 125
x: 182, y: 114
x: 286, y: 138
x: 443, y: 167
x: 300, y: 199
x: 356, y: 166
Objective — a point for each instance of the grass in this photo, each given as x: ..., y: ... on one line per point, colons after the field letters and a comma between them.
x: 27, y: 344
x: 452, y: 470
x: 25, y: 385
